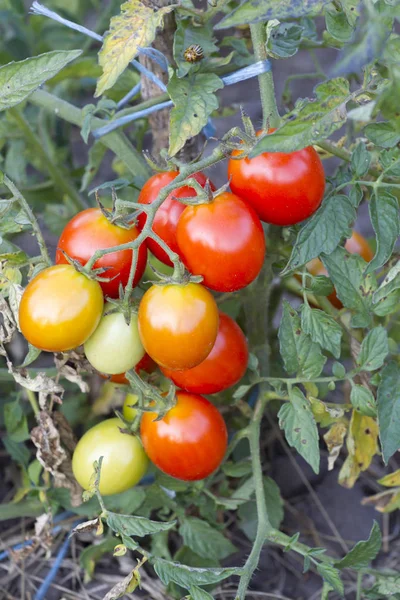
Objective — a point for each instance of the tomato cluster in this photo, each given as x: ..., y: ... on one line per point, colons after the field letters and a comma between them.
x: 178, y: 326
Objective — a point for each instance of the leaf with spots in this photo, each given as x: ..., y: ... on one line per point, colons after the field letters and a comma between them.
x: 361, y: 555
x: 362, y: 445
x: 135, y: 27
x: 194, y: 99
x: 297, y: 421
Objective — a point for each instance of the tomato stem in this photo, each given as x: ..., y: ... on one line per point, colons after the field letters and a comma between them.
x: 267, y: 90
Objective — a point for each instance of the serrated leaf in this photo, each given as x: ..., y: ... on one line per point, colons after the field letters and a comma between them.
x: 15, y: 422
x: 322, y: 329
x: 186, y: 576
x: 297, y: 421
x: 194, y: 98
x: 299, y: 353
x: 362, y: 445
x: 187, y: 35
x: 360, y: 159
x: 374, y: 349
x: 133, y: 28
x: 331, y: 576
x: 361, y: 555
x: 19, y: 79
x: 33, y: 354
x: 363, y: 400
x: 17, y: 450
x: 388, y: 403
x: 382, y: 134
x: 337, y: 24
x: 248, y: 512
x: 323, y: 232
x: 389, y: 284
x: 320, y: 285
x: 384, y: 213
x: 283, y: 39
x: 204, y: 539
x: 265, y: 10
x: 310, y: 121
x: 197, y: 593
x: 136, y: 526
x: 353, y: 289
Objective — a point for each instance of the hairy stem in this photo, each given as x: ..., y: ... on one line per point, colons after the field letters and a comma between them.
x: 266, y: 81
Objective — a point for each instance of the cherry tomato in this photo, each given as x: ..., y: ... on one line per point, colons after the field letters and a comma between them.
x: 146, y: 364
x: 189, y: 443
x: 283, y: 188
x: 168, y: 214
x: 224, y: 366
x: 178, y: 324
x: 223, y: 241
x: 60, y: 308
x: 356, y: 244
x: 114, y: 347
x: 127, y: 410
x: 124, y: 460
x: 89, y: 231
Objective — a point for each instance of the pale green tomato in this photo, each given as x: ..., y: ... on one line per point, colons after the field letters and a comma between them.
x: 127, y: 410
x: 149, y: 274
x: 114, y: 347
x: 124, y: 460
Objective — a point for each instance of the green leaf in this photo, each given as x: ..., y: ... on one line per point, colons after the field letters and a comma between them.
x: 136, y: 526
x: 322, y: 329
x: 187, y: 35
x: 90, y: 555
x: 15, y: 422
x: 310, y: 121
x: 237, y: 469
x: 186, y: 576
x: 338, y: 370
x: 374, y: 349
x: 274, y: 503
x: 353, y: 289
x: 297, y: 421
x: 283, y: 39
x: 194, y: 99
x: 299, y: 353
x: 364, y: 552
x: 384, y: 213
x: 17, y: 450
x: 320, y: 285
x: 197, y: 593
x: 96, y: 154
x: 389, y: 284
x: 19, y: 79
x: 331, y: 576
x: 204, y: 539
x: 337, y: 25
x: 323, y: 232
x: 382, y: 134
x: 360, y: 159
x: 363, y: 400
x: 14, y: 256
x: 32, y: 355
x: 135, y: 27
x: 388, y: 403
x: 265, y: 10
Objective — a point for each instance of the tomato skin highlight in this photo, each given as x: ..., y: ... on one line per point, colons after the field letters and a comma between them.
x: 167, y: 216
x: 224, y: 366
x: 178, y: 324
x: 283, y: 188
x: 114, y: 347
x: 356, y: 244
x: 89, y: 231
x: 190, y: 442
x: 124, y: 460
x: 60, y: 309
x: 223, y: 241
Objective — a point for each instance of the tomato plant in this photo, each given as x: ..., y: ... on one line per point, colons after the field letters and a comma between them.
x: 89, y: 231
x: 189, y: 443
x: 224, y: 366
x: 178, y: 324
x: 60, y: 309
x: 124, y: 461
x: 222, y: 241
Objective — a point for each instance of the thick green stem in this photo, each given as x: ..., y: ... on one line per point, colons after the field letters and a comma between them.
x: 61, y: 180
x: 115, y: 141
x: 266, y: 81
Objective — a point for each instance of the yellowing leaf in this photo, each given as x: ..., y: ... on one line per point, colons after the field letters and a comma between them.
x: 334, y: 439
x: 133, y: 28
x: 391, y: 480
x: 362, y: 445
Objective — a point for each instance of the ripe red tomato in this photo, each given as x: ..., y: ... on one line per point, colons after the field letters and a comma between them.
x: 168, y: 214
x: 283, y: 188
x: 189, y: 443
x: 146, y: 364
x: 89, y: 231
x: 224, y: 366
x: 223, y: 241
x: 178, y: 324
x: 356, y: 244
x: 60, y: 309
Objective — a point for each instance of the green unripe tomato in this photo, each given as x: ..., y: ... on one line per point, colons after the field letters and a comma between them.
x: 124, y: 460
x: 114, y: 347
x: 152, y: 261
x: 128, y: 412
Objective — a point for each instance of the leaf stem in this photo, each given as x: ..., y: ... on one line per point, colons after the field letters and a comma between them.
x: 267, y: 90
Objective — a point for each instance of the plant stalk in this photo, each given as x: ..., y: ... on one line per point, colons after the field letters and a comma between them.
x: 267, y: 90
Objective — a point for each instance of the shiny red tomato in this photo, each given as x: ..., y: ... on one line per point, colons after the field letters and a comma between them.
x: 223, y: 241
x: 283, y: 188
x: 168, y: 214
x: 224, y: 366
x: 89, y: 231
x: 189, y: 443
